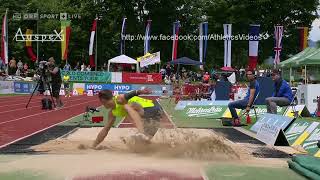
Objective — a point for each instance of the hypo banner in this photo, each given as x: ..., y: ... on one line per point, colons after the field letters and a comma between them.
x: 88, y: 76
x: 120, y: 88
x: 24, y: 87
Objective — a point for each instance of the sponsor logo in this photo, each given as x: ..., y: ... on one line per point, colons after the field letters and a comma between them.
x: 94, y: 86
x: 202, y: 112
x: 19, y: 37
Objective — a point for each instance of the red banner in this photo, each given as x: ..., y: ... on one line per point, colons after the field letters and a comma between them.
x: 142, y: 78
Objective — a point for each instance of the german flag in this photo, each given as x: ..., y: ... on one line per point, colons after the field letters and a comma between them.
x: 304, y: 32
x: 66, y: 31
x: 30, y: 52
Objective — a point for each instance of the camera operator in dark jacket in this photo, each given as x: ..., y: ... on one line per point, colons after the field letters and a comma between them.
x: 56, y: 81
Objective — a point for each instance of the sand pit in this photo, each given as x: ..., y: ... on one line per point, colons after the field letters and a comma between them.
x: 182, y: 151
x: 197, y: 144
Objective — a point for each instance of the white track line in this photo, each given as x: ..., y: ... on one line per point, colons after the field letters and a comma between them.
x: 1, y: 146
x: 35, y: 106
x: 43, y: 113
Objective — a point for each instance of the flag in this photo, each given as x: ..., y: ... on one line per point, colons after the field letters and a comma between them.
x: 66, y: 30
x: 30, y: 52
x: 303, y: 31
x: 176, y: 29
x: 147, y: 38
x: 278, y: 34
x: 227, y: 44
x: 203, y: 33
x: 93, y: 31
x: 254, y: 31
x: 4, y: 39
x: 122, y: 38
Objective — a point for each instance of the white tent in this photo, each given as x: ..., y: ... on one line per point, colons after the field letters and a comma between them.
x: 123, y: 59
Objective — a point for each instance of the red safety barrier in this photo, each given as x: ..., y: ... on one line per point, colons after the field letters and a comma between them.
x: 142, y: 78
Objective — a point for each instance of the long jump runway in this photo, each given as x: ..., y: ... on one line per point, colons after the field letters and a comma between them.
x: 17, y: 122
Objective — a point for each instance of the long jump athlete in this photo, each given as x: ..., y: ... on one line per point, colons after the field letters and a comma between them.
x: 144, y: 113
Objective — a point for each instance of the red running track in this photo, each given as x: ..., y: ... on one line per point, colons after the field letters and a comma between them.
x: 17, y: 122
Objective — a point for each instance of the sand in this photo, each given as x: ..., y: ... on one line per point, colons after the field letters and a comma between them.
x: 184, y: 151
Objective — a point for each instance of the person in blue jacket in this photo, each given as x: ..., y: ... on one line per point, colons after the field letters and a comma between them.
x: 282, y: 95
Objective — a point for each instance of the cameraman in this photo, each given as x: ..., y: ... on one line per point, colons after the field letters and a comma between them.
x: 55, y: 81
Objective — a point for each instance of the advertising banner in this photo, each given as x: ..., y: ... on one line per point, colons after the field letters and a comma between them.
x: 6, y: 87
x: 88, y: 76
x: 273, y: 119
x: 24, y: 87
x: 213, y: 112
x: 142, y: 78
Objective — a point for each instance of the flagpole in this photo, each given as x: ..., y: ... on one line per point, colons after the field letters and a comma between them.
x: 96, y: 53
x: 37, y: 33
x: 7, y: 44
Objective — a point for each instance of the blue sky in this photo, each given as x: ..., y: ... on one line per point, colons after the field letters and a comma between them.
x: 315, y: 30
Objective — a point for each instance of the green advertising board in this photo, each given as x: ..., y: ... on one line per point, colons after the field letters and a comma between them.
x: 310, y: 144
x: 88, y: 76
x: 296, y: 130
x: 204, y: 111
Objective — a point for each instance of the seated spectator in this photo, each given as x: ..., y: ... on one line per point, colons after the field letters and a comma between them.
x: 282, y: 96
x: 248, y: 101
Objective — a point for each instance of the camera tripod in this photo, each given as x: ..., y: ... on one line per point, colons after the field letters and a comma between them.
x: 46, y: 86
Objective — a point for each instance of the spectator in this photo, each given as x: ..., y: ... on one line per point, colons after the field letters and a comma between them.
x: 83, y: 67
x: 77, y: 67
x: 12, y: 66
x: 67, y: 67
x: 199, y: 76
x: 248, y: 101
x: 163, y: 72
x: 206, y: 78
x: 20, y: 65
x: 25, y: 68
x: 242, y: 72
x: 104, y: 67
x: 282, y: 96
x: 88, y: 68
x: 1, y: 65
x: 168, y: 70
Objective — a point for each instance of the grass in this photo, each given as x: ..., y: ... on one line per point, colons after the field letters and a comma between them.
x: 27, y: 175
x: 242, y: 172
